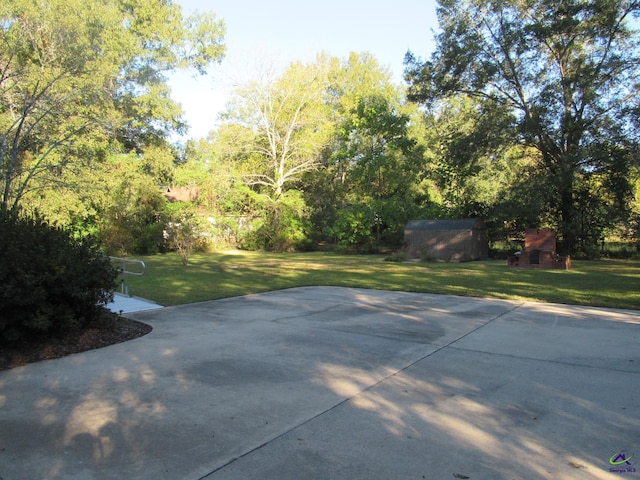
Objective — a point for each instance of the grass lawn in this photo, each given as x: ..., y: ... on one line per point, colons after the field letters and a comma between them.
x: 209, y: 276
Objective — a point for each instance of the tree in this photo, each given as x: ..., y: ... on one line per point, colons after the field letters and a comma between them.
x: 286, y: 122
x: 129, y: 208
x: 80, y: 79
x: 379, y: 163
x: 372, y: 163
x: 567, y: 69
x: 471, y: 154
x: 186, y: 231
x: 276, y: 129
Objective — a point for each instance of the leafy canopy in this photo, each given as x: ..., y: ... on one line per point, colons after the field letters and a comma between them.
x: 567, y: 69
x: 81, y: 79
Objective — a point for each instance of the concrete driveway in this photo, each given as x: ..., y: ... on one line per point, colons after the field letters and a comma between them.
x: 337, y: 383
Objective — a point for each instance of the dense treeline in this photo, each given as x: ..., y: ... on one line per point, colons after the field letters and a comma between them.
x: 525, y: 115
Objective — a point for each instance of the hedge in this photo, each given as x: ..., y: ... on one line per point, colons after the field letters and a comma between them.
x: 49, y: 281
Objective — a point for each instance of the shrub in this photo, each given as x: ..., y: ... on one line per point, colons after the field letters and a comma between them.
x: 186, y: 231
x: 50, y: 281
x: 353, y: 229
x: 428, y: 258
x: 397, y: 257
x: 282, y: 227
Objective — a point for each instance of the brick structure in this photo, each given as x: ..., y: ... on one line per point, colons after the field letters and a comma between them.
x: 539, y: 251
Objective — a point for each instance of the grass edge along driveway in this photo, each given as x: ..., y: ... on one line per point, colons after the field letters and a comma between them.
x: 210, y: 276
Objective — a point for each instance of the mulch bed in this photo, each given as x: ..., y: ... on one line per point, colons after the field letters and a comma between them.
x: 108, y: 330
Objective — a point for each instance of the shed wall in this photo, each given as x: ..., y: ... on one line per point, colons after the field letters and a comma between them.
x: 451, y: 245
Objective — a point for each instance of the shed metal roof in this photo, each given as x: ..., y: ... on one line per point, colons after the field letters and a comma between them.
x: 445, y: 224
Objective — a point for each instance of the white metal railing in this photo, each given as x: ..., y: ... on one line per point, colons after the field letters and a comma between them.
x: 127, y: 266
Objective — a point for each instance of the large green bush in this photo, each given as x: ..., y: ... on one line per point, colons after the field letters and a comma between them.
x: 282, y: 227
x: 49, y: 281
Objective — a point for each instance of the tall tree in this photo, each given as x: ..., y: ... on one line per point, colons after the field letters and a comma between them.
x: 79, y: 79
x: 371, y: 167
x: 569, y: 71
x: 379, y: 164
x: 287, y: 120
x: 276, y: 129
x: 466, y: 149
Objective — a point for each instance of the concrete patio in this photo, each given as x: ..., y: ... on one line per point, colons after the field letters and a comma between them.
x: 337, y: 383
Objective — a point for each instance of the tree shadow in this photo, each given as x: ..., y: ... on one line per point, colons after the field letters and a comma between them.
x: 371, y: 384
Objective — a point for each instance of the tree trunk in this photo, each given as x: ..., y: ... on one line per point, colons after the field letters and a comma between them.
x: 567, y: 213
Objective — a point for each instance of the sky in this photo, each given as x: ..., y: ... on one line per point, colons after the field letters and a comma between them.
x: 290, y: 30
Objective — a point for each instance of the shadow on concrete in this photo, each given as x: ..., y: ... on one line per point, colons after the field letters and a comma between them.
x: 335, y: 383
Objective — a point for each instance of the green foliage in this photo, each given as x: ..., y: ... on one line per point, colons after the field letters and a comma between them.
x: 130, y: 221
x: 354, y: 228
x: 616, y: 249
x: 282, y: 227
x: 471, y: 156
x: 336, y: 131
x: 186, y: 232
x: 567, y: 71
x: 81, y: 79
x: 531, y: 120
x: 426, y: 258
x: 275, y: 131
x: 50, y: 281
x: 377, y: 163
x: 283, y: 124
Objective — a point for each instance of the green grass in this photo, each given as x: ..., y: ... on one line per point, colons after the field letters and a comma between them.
x: 211, y: 276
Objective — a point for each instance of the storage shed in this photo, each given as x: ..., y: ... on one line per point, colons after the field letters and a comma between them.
x: 450, y: 240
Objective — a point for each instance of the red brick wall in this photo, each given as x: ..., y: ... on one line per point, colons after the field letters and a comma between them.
x: 540, y: 239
